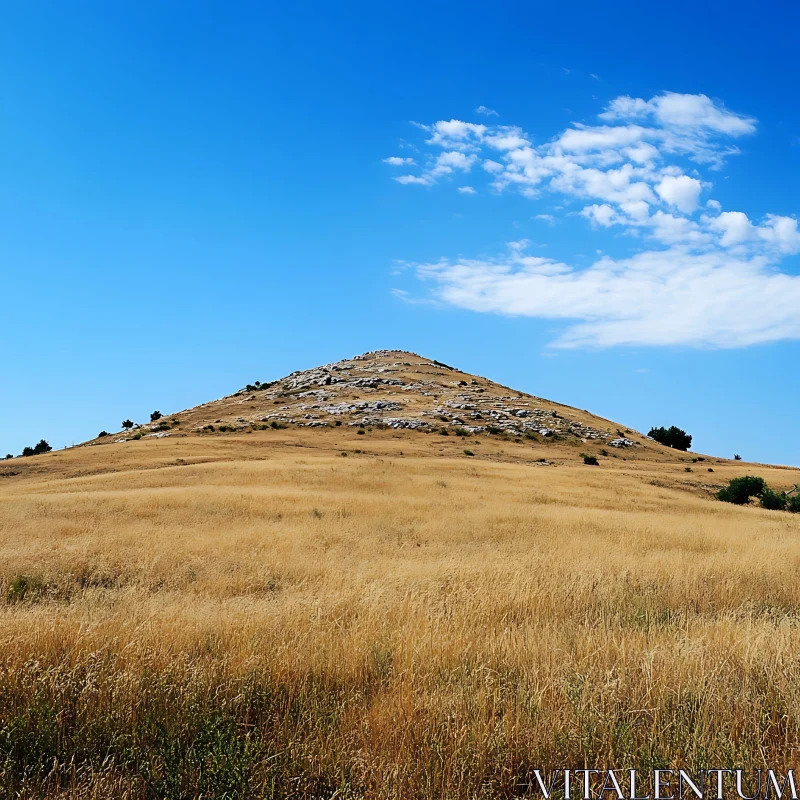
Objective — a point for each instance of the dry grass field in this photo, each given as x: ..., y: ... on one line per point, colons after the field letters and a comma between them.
x: 259, y: 615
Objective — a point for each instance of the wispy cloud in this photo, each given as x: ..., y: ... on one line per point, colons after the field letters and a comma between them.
x: 486, y: 112
x: 702, y: 276
x: 397, y: 161
x: 466, y: 190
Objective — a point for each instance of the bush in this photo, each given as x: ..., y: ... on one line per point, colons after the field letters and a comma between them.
x: 773, y: 501
x: 591, y: 461
x: 462, y: 432
x: 793, y: 504
x: 444, y: 432
x: 740, y: 490
x: 9, y: 455
x: 155, y: 416
x: 360, y: 431
x: 671, y: 437
x: 24, y: 587
x: 468, y: 453
x: 37, y: 450
x: 127, y: 424
x: 277, y: 425
x: 102, y: 434
x: 737, y: 457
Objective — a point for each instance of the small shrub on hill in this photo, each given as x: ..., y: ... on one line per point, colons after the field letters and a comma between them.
x: 740, y: 490
x: 155, y: 416
x: 591, y: 461
x: 127, y: 424
x: 773, y: 501
x: 38, y: 449
x: 468, y: 453
x: 793, y: 504
x: 102, y: 434
x: 671, y: 437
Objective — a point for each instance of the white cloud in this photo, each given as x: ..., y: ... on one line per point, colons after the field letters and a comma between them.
x: 680, y: 191
x: 486, y: 112
x: 667, y: 297
x: 466, y: 190
x: 397, y: 161
x: 681, y: 111
x: 412, y: 179
x: 700, y: 278
x: 602, y: 215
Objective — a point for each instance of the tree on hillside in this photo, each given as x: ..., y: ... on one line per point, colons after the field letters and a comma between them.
x: 671, y: 437
x: 127, y: 424
x: 155, y: 416
x: 41, y: 447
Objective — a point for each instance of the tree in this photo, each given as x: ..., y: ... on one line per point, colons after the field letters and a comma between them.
x: 9, y: 455
x: 740, y: 490
x: 155, y: 416
x: 773, y: 501
x: 671, y: 437
x: 37, y: 450
x: 102, y: 434
x: 737, y: 457
x: 127, y: 424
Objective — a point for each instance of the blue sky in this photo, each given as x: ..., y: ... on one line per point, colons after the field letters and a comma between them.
x: 195, y: 198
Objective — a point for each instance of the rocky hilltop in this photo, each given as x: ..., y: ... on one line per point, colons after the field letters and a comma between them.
x: 389, y: 389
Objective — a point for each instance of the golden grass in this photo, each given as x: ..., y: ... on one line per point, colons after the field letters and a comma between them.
x: 271, y: 619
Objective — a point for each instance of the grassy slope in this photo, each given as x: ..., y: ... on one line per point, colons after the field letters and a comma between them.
x: 256, y: 615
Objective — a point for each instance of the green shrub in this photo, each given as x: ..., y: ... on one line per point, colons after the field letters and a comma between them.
x: 793, y: 504
x: 24, y: 587
x: 671, y: 437
x: 740, y: 490
x: 461, y: 432
x: 591, y: 461
x: 360, y: 431
x: 773, y: 501
x: 155, y: 416
x: 468, y: 453
x: 102, y: 434
x: 38, y: 449
x: 737, y: 457
x: 127, y: 424
x: 277, y: 425
x: 444, y: 431
x: 493, y: 429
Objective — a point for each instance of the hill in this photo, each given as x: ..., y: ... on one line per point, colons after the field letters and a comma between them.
x: 365, y: 610
x: 393, y: 389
